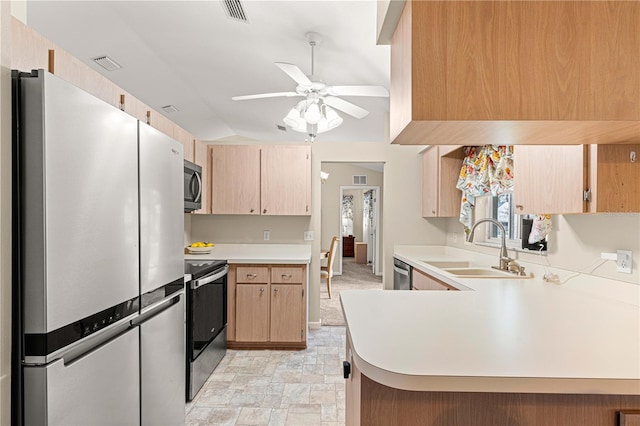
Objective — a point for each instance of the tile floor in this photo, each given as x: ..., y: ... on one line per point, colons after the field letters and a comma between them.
x: 263, y: 387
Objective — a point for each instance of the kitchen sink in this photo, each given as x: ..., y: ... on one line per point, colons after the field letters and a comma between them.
x: 464, y: 272
x: 448, y: 264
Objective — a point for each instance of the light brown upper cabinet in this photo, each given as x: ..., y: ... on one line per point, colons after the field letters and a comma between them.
x: 201, y: 159
x: 268, y: 180
x: 285, y: 180
x: 563, y: 179
x: 512, y: 72
x: 235, y: 179
x: 440, y: 171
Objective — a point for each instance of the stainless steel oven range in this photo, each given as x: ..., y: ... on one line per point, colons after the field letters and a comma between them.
x: 206, y: 320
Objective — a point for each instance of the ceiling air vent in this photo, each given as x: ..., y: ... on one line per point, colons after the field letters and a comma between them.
x: 107, y: 63
x: 281, y: 128
x: 234, y: 10
x: 359, y: 179
x: 169, y: 109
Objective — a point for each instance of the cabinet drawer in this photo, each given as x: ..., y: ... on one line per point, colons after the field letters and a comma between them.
x: 252, y: 274
x: 280, y: 275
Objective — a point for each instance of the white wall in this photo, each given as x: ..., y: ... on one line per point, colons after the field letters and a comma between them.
x: 577, y: 241
x: 5, y: 212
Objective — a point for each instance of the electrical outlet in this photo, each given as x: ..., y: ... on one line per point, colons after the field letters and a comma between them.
x: 624, y: 261
x: 454, y: 237
x: 266, y: 235
x: 308, y: 235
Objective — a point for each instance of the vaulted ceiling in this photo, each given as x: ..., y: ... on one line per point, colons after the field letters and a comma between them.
x: 190, y: 54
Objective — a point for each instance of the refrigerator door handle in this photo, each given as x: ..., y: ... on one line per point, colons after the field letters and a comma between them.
x: 97, y: 341
x: 156, y: 308
x: 199, y: 283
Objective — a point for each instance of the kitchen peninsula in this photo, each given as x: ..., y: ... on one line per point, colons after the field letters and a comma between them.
x: 500, y: 352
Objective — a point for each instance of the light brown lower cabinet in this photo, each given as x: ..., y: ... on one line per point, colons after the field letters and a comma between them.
x: 371, y: 403
x: 381, y: 405
x: 423, y: 281
x: 267, y: 306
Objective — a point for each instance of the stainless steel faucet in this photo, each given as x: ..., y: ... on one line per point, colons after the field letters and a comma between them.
x: 506, y: 263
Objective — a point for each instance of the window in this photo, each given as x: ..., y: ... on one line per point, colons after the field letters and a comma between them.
x: 501, y: 209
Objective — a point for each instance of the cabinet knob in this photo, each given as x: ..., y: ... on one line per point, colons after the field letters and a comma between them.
x: 275, y: 290
x: 252, y: 276
x: 433, y: 211
x: 519, y: 206
x: 286, y: 276
x: 251, y: 211
x: 261, y: 290
x: 346, y: 369
x: 264, y: 211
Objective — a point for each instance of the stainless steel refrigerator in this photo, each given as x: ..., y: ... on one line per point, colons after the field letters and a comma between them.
x: 98, y: 262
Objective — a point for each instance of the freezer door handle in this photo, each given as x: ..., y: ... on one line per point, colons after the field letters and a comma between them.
x: 156, y: 309
x: 401, y: 271
x: 211, y: 278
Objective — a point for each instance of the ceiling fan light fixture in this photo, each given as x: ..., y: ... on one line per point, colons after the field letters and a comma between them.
x: 312, y: 114
x: 333, y: 119
x: 292, y: 118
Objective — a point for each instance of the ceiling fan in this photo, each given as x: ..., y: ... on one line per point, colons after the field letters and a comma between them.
x: 315, y: 114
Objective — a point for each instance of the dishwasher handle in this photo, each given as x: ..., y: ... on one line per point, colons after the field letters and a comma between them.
x: 401, y: 271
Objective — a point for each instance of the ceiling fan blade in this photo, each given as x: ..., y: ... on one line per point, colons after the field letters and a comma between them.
x: 358, y: 91
x: 295, y: 73
x: 265, y: 95
x: 346, y: 107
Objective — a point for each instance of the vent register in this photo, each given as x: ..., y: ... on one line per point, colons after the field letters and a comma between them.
x: 234, y: 10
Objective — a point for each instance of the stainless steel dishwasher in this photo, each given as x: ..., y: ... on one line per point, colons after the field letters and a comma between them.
x: 401, y: 275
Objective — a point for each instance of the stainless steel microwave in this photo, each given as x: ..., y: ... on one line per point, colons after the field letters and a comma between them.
x: 192, y: 186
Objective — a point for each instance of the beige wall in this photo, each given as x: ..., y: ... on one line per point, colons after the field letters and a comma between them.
x: 249, y: 229
x: 5, y: 212
x: 577, y: 241
x: 401, y: 208
x: 341, y: 174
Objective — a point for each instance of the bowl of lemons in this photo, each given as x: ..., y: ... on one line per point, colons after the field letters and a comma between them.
x: 200, y: 247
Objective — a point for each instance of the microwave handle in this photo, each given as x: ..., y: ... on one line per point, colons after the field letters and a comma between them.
x: 197, y: 177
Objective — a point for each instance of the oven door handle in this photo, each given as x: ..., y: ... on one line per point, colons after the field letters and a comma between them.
x: 208, y: 279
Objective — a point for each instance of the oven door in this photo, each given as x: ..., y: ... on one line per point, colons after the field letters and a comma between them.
x: 208, y: 310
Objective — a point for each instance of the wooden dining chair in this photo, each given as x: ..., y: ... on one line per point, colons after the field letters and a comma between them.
x: 326, y: 272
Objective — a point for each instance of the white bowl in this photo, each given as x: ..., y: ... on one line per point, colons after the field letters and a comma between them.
x: 199, y: 250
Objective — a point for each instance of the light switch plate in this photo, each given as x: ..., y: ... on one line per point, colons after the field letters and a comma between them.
x: 308, y: 235
x: 624, y: 261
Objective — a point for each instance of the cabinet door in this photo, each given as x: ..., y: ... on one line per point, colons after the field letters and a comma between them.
x: 287, y: 321
x: 422, y: 281
x: 549, y: 178
x: 286, y: 180
x: 202, y: 160
x: 235, y: 179
x: 252, y: 312
x: 615, y: 178
x: 430, y: 161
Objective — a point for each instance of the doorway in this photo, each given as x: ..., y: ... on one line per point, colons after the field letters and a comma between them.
x: 359, y: 219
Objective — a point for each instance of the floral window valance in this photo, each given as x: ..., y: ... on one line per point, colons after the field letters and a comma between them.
x: 485, y: 170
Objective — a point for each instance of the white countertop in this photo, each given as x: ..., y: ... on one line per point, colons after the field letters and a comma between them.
x: 257, y: 253
x: 506, y: 335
